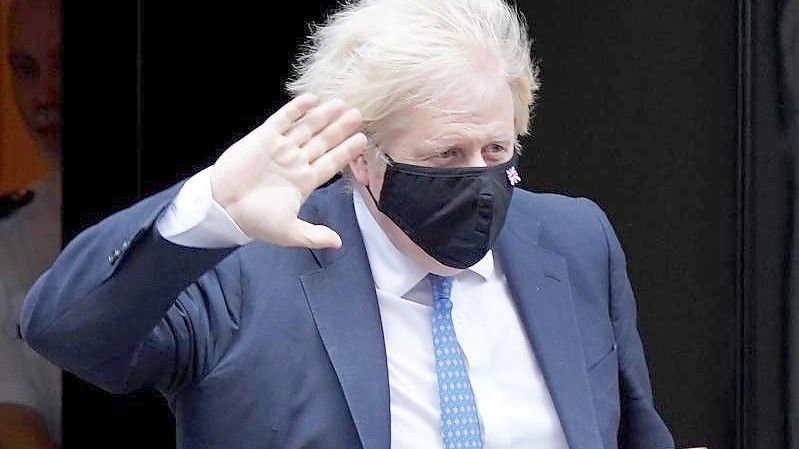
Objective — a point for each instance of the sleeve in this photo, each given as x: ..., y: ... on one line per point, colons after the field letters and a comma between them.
x: 124, y: 308
x: 195, y: 219
x: 641, y: 426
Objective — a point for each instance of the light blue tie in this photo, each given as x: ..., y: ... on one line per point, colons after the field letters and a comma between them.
x: 460, y: 425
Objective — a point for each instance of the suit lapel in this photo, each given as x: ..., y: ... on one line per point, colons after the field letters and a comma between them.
x: 539, y: 283
x: 342, y: 299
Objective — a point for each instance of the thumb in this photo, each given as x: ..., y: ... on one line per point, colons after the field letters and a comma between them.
x: 313, y: 236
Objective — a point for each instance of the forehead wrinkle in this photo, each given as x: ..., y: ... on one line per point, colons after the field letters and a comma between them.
x: 472, y: 125
x: 470, y: 133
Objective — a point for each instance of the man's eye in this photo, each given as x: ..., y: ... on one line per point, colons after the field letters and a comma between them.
x: 497, y: 153
x: 447, y: 154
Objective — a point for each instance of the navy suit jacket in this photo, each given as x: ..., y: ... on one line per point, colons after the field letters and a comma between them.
x: 269, y: 347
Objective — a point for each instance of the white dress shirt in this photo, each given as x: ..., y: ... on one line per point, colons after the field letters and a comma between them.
x: 30, y: 240
x: 514, y: 404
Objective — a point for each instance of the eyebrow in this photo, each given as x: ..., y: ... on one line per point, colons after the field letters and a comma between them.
x: 450, y: 138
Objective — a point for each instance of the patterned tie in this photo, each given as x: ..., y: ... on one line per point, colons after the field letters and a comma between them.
x: 460, y: 426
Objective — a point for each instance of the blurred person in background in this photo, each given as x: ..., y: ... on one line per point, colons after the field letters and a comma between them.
x: 30, y: 211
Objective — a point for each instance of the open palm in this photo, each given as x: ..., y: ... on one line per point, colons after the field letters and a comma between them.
x: 263, y: 179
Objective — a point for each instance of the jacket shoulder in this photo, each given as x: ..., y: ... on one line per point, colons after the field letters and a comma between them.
x: 553, y: 209
x: 575, y: 227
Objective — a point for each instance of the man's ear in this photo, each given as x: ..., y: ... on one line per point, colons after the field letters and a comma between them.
x: 360, y: 170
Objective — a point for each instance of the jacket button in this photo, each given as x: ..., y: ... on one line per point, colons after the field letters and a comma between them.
x: 114, y: 256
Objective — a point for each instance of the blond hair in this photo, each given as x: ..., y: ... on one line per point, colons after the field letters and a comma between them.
x: 382, y: 56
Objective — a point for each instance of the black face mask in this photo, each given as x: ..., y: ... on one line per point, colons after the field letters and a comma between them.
x: 453, y: 214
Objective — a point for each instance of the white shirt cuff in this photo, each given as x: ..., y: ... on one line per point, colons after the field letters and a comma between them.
x: 195, y: 219
x: 11, y: 393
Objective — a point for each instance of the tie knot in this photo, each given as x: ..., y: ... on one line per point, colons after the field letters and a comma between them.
x: 442, y: 285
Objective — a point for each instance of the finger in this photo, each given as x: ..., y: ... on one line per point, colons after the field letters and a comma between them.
x: 308, y: 235
x: 333, y: 134
x: 315, y: 120
x: 284, y: 118
x: 336, y: 159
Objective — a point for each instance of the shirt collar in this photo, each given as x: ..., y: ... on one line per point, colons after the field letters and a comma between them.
x: 393, y: 271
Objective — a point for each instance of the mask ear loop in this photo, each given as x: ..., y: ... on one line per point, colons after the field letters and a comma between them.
x: 373, y: 196
x: 388, y: 161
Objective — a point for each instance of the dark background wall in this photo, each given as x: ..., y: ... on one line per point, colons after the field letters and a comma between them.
x: 638, y: 113
x: 662, y: 112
